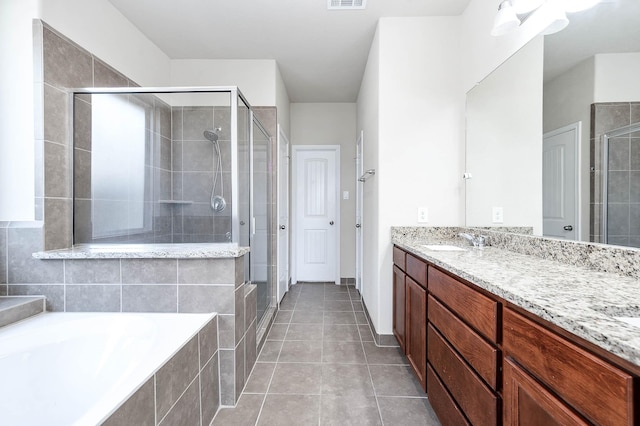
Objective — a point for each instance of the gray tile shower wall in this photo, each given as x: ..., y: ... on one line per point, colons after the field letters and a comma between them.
x: 193, y: 173
x: 624, y: 174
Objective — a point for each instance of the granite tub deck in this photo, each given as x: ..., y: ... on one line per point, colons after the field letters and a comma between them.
x: 580, y: 300
x: 146, y: 251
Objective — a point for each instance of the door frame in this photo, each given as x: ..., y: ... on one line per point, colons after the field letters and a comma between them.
x: 577, y: 127
x: 295, y: 150
x: 359, y: 210
x: 281, y: 178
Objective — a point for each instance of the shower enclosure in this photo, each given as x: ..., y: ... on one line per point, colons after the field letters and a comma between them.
x: 173, y: 166
x: 621, y: 186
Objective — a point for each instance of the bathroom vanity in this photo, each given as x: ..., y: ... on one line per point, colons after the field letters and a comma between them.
x: 497, y: 337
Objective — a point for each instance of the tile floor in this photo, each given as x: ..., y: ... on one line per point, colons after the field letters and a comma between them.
x: 320, y: 366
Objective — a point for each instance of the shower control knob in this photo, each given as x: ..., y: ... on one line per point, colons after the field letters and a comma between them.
x: 283, y: 227
x: 331, y: 223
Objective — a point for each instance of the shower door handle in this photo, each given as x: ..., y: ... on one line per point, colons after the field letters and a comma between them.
x: 568, y: 228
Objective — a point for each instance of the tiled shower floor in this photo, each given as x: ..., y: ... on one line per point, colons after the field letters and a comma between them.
x: 320, y: 366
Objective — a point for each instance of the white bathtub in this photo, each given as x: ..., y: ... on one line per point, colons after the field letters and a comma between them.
x: 78, y: 368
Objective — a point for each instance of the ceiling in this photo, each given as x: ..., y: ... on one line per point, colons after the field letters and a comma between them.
x: 610, y: 27
x: 321, y: 54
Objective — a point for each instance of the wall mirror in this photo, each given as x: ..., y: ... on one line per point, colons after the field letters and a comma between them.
x: 535, y: 128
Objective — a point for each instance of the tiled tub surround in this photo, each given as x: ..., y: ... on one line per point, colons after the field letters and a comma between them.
x: 143, y: 369
x: 571, y: 296
x: 180, y: 279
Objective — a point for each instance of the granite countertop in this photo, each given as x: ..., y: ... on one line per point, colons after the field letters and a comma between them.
x: 581, y: 301
x: 146, y: 251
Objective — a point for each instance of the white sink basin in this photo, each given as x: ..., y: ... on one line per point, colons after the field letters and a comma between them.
x: 442, y: 247
x: 630, y: 320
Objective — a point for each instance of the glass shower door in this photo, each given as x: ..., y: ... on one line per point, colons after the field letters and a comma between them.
x: 621, y: 186
x: 260, y: 206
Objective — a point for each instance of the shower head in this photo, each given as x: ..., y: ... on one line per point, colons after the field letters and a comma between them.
x: 210, y: 135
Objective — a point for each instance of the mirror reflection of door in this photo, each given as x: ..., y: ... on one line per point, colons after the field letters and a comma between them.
x: 560, y: 193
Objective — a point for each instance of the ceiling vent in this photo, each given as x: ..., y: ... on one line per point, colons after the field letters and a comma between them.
x: 346, y: 4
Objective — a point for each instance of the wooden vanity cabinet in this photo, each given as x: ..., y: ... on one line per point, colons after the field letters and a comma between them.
x: 548, y: 378
x: 410, y: 310
x: 486, y: 362
x: 416, y: 342
x: 462, y: 351
x: 399, y: 302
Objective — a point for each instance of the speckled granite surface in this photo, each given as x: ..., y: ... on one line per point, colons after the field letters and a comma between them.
x: 583, y: 301
x: 147, y: 251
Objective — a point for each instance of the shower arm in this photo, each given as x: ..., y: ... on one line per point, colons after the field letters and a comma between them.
x: 367, y: 175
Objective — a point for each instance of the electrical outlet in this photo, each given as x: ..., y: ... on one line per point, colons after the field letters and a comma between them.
x: 497, y: 215
x: 423, y: 214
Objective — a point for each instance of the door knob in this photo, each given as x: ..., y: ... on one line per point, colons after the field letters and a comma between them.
x: 568, y: 228
x: 282, y: 227
x: 358, y: 225
x: 331, y: 223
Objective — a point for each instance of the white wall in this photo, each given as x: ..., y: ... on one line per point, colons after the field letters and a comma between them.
x: 96, y: 26
x: 255, y: 78
x: 16, y: 110
x: 504, y: 142
x: 567, y: 99
x: 368, y: 120
x: 411, y: 106
x: 333, y: 124
x: 283, y: 104
x: 420, y: 135
x: 617, y: 77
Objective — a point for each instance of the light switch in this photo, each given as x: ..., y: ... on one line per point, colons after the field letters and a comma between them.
x: 345, y: 195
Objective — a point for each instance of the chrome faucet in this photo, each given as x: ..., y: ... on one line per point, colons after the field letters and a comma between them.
x: 476, y: 241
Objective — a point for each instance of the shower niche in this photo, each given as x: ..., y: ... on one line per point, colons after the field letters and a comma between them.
x: 167, y: 166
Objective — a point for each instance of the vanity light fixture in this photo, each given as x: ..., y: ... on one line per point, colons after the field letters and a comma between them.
x: 522, y: 7
x: 506, y: 19
x: 511, y: 13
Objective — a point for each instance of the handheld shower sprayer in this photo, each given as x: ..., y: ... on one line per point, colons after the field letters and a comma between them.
x: 218, y: 202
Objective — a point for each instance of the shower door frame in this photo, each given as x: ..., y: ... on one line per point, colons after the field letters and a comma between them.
x: 621, y: 131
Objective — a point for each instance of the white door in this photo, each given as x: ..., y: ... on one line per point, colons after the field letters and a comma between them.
x: 283, y: 214
x: 315, y: 185
x: 560, y: 183
x: 359, y: 203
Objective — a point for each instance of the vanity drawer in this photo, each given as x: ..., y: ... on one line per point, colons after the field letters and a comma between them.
x: 474, y: 308
x: 444, y: 406
x: 417, y: 269
x: 398, y: 257
x: 592, y: 386
x: 478, y: 402
x: 482, y: 356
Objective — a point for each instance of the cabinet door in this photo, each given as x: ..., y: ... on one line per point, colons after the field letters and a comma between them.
x: 399, y: 304
x: 526, y: 402
x: 416, y: 336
